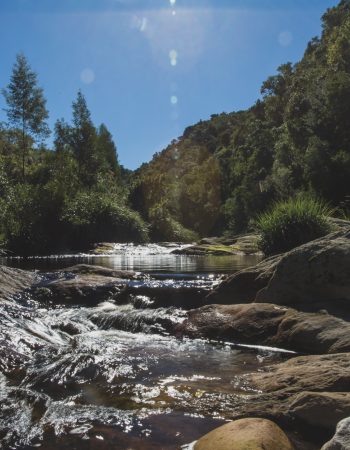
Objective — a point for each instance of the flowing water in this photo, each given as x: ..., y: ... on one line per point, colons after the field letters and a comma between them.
x: 113, y: 376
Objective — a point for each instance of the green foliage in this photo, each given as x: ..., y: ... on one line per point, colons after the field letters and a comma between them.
x: 166, y: 228
x: 291, y: 223
x: 92, y: 217
x: 26, y: 105
x: 29, y: 220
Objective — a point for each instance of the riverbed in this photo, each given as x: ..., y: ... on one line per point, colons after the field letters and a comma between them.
x: 112, y: 376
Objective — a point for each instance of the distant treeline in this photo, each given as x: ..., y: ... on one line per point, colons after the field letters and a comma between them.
x: 214, y: 179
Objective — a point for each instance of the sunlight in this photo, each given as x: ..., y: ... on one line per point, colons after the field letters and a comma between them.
x: 170, y: 35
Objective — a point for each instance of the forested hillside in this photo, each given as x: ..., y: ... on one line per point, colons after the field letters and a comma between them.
x: 296, y: 139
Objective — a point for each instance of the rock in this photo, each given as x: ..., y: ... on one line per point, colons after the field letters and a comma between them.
x: 15, y: 281
x: 341, y: 439
x: 84, y: 269
x: 221, y: 246
x: 267, y: 324
x: 247, y: 323
x: 101, y: 248
x: 83, y: 284
x: 243, y: 286
x: 313, y: 276
x: 186, y: 297
x: 317, y: 271
x: 317, y: 373
x: 245, y: 434
x: 321, y: 409
x: 339, y: 224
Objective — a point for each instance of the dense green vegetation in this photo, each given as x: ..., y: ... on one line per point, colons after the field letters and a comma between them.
x: 291, y: 223
x: 67, y: 198
x: 216, y: 178
x: 296, y: 139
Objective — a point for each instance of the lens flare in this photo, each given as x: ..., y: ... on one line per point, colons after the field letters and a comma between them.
x: 87, y: 76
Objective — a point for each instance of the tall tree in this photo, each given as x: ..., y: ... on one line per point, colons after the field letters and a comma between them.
x: 84, y: 138
x: 26, y: 105
x: 107, y: 150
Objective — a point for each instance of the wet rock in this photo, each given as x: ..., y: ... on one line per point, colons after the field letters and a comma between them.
x: 186, y: 297
x: 15, y: 281
x: 245, y: 434
x: 83, y: 284
x: 103, y: 248
x: 267, y: 324
x: 314, y: 274
x: 87, y: 269
x: 341, y: 439
x: 321, y: 409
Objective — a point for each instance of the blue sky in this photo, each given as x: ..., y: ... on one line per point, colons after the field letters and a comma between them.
x: 150, y: 68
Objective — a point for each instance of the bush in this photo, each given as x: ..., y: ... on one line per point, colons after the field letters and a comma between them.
x: 291, y: 223
x: 166, y: 228
x: 94, y: 216
x: 30, y: 221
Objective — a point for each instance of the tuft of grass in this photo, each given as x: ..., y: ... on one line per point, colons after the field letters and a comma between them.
x: 291, y: 223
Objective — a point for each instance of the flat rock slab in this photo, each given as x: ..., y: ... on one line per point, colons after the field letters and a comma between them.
x: 267, y: 324
x: 83, y: 284
x: 245, y: 434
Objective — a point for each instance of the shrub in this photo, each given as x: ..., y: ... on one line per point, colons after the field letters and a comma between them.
x: 94, y: 216
x: 30, y: 221
x: 291, y: 223
x: 166, y: 228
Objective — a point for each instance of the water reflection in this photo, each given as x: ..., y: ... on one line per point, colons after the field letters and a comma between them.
x: 144, y: 258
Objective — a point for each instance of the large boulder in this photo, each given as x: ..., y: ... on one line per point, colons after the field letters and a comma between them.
x: 245, y: 434
x: 341, y: 439
x: 15, y: 281
x: 243, y: 286
x: 314, y: 274
x: 268, y: 324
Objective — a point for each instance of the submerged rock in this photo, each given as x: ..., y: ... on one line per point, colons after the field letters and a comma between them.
x: 245, y: 434
x: 267, y: 324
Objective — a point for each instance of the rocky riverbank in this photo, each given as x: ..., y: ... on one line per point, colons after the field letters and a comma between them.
x: 297, y: 301
x: 300, y: 301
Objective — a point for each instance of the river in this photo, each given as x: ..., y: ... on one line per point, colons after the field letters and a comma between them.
x: 111, y: 376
